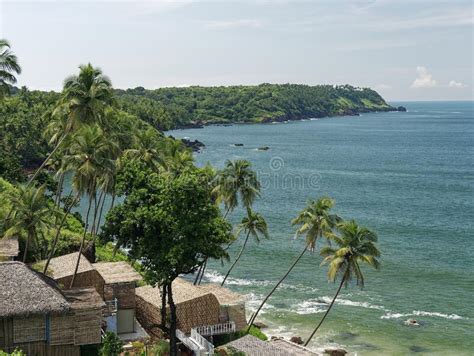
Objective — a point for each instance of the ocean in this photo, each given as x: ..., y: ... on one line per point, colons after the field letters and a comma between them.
x: 409, y: 176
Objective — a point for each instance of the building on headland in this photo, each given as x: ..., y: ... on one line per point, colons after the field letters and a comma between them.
x: 40, y: 319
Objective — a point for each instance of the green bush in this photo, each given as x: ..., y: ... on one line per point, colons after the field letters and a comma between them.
x: 160, y: 348
x: 16, y: 352
x: 111, y: 345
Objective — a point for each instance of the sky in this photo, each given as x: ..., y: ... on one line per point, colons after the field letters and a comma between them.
x: 406, y: 50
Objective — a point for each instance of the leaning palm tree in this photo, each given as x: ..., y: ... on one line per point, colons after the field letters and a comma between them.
x: 254, y: 224
x: 355, y: 245
x: 315, y: 221
x: 89, y: 156
x: 237, y: 181
x: 83, y: 101
x: 31, y: 214
x: 8, y: 67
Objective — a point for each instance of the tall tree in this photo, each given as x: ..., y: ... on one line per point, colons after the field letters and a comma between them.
x: 30, y: 215
x: 253, y: 224
x: 314, y: 221
x: 236, y: 182
x: 83, y: 101
x: 355, y: 245
x: 8, y: 68
x: 168, y: 223
x: 89, y: 156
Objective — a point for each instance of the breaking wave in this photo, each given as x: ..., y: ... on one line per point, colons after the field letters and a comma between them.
x: 390, y: 315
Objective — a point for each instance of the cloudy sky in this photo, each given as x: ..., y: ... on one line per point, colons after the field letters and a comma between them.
x: 407, y: 50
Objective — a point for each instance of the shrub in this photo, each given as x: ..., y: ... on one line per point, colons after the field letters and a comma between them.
x: 111, y: 345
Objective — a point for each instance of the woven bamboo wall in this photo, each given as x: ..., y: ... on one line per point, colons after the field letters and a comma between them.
x: 124, y: 292
x: 87, y: 324
x: 29, y: 329
x: 203, y: 310
x: 148, y: 316
x: 88, y: 279
x: 62, y: 329
x: 236, y: 314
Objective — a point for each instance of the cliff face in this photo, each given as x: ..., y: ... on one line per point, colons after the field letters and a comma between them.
x: 194, y: 106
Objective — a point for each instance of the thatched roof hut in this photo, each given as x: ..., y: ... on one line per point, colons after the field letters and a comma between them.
x: 25, y: 292
x: 195, y: 305
x: 9, y: 248
x: 61, y: 269
x: 117, y: 272
x: 63, y: 266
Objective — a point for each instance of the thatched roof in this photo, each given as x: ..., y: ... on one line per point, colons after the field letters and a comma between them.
x: 184, y: 291
x: 9, y: 247
x: 117, y: 272
x: 63, y: 266
x: 85, y: 298
x: 25, y: 292
x: 253, y: 346
x: 291, y: 348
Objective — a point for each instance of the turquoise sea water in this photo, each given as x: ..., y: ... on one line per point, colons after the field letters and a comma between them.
x: 408, y: 176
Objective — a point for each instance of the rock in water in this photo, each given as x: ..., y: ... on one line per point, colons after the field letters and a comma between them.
x: 336, y: 351
x: 264, y: 148
x: 412, y: 322
x: 402, y: 108
x: 297, y: 340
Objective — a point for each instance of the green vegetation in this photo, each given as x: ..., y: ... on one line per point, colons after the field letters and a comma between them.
x: 14, y: 353
x: 111, y: 345
x: 169, y: 223
x: 253, y: 330
x: 168, y: 108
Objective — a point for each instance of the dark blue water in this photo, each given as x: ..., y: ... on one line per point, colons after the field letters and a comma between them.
x: 408, y: 176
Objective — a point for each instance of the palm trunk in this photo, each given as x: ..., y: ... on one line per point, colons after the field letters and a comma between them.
x: 82, y: 242
x: 173, y: 346
x: 254, y: 316
x: 203, y: 270
x: 46, y: 160
x: 196, y: 280
x: 113, y: 200
x: 28, y: 238
x: 163, y: 308
x: 100, y: 216
x: 327, y: 311
x: 237, y: 259
x: 59, y: 190
x: 96, y: 209
x: 58, y: 232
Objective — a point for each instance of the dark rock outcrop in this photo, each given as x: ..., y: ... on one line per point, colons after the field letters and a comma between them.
x: 336, y: 351
x: 195, y: 145
x: 402, y: 108
x: 297, y: 340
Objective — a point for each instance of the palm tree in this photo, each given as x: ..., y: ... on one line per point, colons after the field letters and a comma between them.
x: 89, y: 156
x: 236, y: 180
x: 8, y: 68
x: 147, y: 149
x: 315, y: 221
x: 254, y: 224
x: 30, y: 215
x: 355, y: 245
x: 83, y: 101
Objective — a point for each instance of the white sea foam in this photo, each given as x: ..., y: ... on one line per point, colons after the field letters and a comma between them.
x: 314, y: 119
x: 352, y: 303
x: 390, y: 315
x: 311, y: 306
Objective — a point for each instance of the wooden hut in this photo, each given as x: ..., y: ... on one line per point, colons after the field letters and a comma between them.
x: 119, y: 285
x: 61, y: 269
x: 195, y: 305
x: 36, y: 317
x: 9, y: 249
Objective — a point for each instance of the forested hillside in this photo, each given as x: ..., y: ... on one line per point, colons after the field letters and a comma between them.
x: 25, y: 114
x: 174, y: 107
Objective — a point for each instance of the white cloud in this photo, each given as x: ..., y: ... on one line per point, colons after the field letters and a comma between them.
x: 424, y: 79
x: 455, y: 84
x: 234, y: 24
